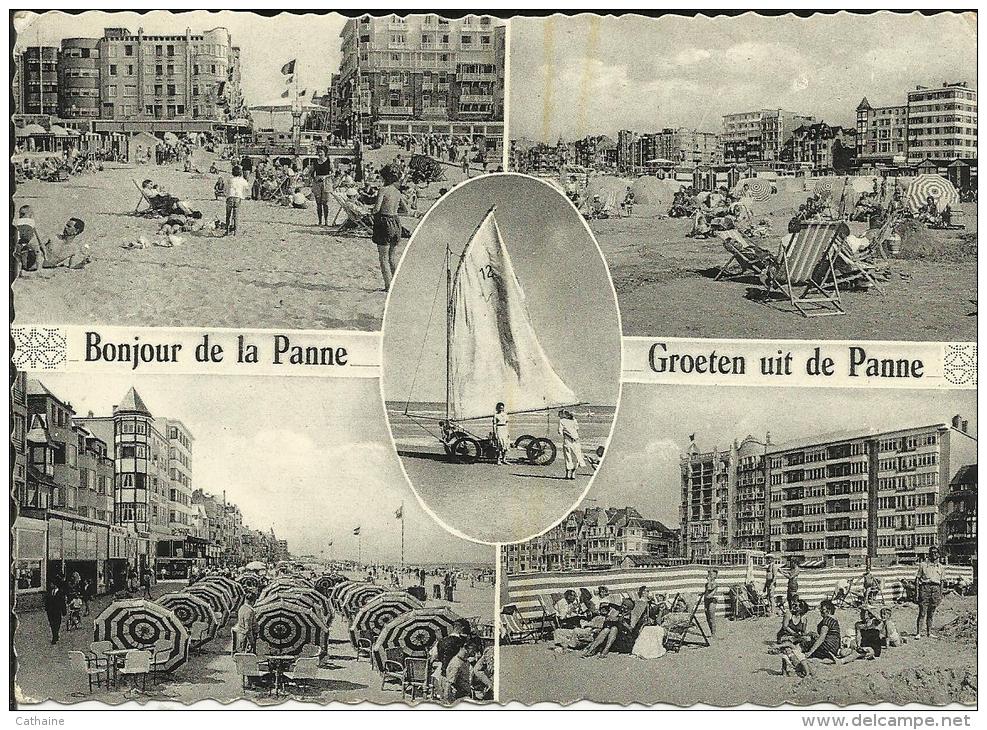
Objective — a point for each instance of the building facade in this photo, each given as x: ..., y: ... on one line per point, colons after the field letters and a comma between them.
x: 39, y: 80
x: 821, y: 148
x: 421, y: 74
x: 79, y: 79
x: 942, y: 122
x: 882, y: 134
x: 958, y: 513
x: 758, y: 136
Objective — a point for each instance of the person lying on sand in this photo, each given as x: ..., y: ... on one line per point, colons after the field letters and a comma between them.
x: 793, y: 659
x: 65, y: 250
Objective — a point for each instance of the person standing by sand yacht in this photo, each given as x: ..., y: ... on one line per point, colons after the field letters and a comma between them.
x: 501, y: 432
x: 572, y: 451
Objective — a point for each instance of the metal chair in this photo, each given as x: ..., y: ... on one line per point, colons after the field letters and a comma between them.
x: 136, y: 664
x: 88, y: 666
x: 160, y: 654
x: 393, y: 669
x: 417, y: 677
x: 249, y: 667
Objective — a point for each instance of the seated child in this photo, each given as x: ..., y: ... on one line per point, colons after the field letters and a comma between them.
x: 298, y: 199
x: 27, y: 248
x: 867, y: 643
x: 793, y: 660
x: 889, y: 630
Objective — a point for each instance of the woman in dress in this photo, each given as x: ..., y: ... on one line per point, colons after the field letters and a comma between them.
x: 572, y: 452
x: 500, y: 432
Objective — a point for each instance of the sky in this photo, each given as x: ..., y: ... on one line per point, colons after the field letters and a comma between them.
x: 567, y: 290
x: 310, y: 457
x: 311, y: 38
x: 641, y: 468
x: 595, y: 75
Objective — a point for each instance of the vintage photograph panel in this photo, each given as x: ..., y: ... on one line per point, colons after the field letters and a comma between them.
x: 501, y: 358
x: 751, y: 176
x: 760, y: 546
x: 181, y: 538
x: 177, y: 169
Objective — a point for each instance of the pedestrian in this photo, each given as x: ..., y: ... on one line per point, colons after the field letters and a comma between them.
x: 245, y: 630
x: 146, y: 583
x: 387, y: 224
x: 770, y: 579
x: 87, y: 595
x: 928, y: 584
x: 237, y: 190
x: 55, y: 604
x: 572, y: 451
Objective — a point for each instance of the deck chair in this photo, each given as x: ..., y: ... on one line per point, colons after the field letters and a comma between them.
x: 853, y: 266
x: 807, y: 264
x: 548, y: 616
x: 750, y: 259
x: 514, y: 629
x: 354, y: 220
x: 678, y: 636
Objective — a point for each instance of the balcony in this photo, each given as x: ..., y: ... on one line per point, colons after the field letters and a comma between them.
x: 476, y: 76
x: 435, y: 112
x: 396, y: 111
x: 476, y: 99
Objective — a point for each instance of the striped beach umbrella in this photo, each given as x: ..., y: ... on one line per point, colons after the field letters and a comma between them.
x: 932, y: 186
x: 414, y: 632
x: 140, y: 624
x: 356, y: 597
x: 191, y: 609
x: 309, y: 597
x: 236, y: 591
x: 755, y: 188
x: 325, y: 583
x: 383, y: 608
x: 218, y: 599
x: 250, y: 580
x: 826, y: 187
x: 303, y: 602
x: 288, y: 626
x: 337, y: 590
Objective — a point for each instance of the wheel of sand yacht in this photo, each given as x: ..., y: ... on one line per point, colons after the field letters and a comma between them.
x: 523, y: 442
x: 466, y: 450
x: 541, y: 452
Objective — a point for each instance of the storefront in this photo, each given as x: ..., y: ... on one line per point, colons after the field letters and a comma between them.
x: 77, y: 546
x: 30, y: 538
x: 177, y: 556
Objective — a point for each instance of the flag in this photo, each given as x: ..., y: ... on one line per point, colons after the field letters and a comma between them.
x: 290, y: 79
x: 692, y: 437
x: 284, y: 94
x: 288, y: 68
x: 303, y: 92
x: 356, y: 530
x: 399, y: 513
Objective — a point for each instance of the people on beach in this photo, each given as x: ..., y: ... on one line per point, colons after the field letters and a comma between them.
x: 237, y: 190
x: 501, y: 432
x: 792, y: 591
x: 890, y: 635
x: 26, y: 254
x: 65, y: 250
x: 572, y: 452
x: 298, y: 200
x: 928, y: 583
x: 245, y: 629
x: 771, y: 572
x: 709, y: 600
x: 387, y: 224
x: 568, y: 610
x: 322, y: 185
x: 826, y: 643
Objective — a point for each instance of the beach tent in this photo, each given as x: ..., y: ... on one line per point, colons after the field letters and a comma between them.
x: 141, y: 142
x: 649, y: 191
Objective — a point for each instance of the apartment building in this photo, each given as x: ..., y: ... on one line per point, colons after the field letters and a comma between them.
x: 942, y: 122
x: 758, y: 136
x: 882, y: 134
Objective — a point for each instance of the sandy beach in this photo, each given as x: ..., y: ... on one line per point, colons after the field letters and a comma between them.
x: 737, y: 669
x: 665, y: 283
x: 282, y: 272
x: 492, y: 503
x: 212, y: 675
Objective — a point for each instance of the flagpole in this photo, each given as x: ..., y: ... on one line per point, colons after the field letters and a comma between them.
x: 402, y: 536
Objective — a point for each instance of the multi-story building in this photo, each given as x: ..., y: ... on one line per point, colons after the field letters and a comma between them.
x: 180, y: 509
x: 958, y: 517
x: 18, y: 434
x: 882, y: 134
x: 183, y: 76
x: 863, y: 495
x: 78, y: 79
x: 421, y: 74
x: 758, y: 136
x: 687, y: 147
x: 821, y: 147
x: 39, y: 80
x: 942, y: 122
x: 594, y: 538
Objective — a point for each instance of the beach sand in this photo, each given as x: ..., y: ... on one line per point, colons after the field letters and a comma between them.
x: 282, y: 272
x: 665, y: 285
x: 737, y: 669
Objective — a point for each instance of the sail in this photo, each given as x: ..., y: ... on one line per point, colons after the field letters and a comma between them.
x: 494, y: 353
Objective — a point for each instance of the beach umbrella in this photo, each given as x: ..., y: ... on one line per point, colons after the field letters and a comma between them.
x: 357, y: 597
x: 138, y: 624
x: 288, y: 626
x: 928, y: 185
x: 324, y: 583
x: 216, y: 597
x: 191, y: 609
x: 256, y: 565
x: 336, y: 590
x: 303, y: 601
x: 414, y: 633
x: 309, y: 595
x: 170, y: 138
x: 755, y: 188
x: 250, y: 580
x: 235, y: 591
x: 826, y: 187
x: 378, y: 612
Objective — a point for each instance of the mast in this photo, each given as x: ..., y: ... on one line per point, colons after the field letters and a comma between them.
x: 448, y: 327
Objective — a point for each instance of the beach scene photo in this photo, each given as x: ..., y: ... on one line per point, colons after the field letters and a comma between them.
x: 213, y: 178
x: 767, y: 546
x: 181, y: 539
x: 501, y: 354
x: 754, y: 175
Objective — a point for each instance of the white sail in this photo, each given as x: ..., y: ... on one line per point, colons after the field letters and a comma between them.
x: 494, y: 353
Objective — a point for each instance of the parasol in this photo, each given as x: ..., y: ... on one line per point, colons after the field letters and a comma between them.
x: 932, y: 186
x: 191, y: 609
x: 325, y: 583
x: 356, y: 597
x: 287, y: 627
x: 216, y: 597
x: 140, y: 624
x: 379, y: 611
x: 414, y: 633
x: 755, y: 188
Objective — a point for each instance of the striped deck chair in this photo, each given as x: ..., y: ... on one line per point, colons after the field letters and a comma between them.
x: 855, y: 266
x: 547, y: 601
x: 514, y: 629
x: 807, y: 263
x: 678, y: 636
x: 355, y: 219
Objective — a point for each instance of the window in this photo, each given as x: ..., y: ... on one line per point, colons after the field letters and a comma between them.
x: 467, y: 40
x: 128, y: 50
x: 113, y: 69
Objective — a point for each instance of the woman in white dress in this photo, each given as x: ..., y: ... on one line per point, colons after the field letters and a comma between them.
x: 500, y: 432
x: 572, y: 452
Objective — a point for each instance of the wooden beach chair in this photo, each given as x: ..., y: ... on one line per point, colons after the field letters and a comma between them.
x: 515, y: 630
x: 355, y: 220
x: 746, y: 258
x: 151, y: 210
x: 546, y: 602
x: 677, y: 636
x: 807, y: 264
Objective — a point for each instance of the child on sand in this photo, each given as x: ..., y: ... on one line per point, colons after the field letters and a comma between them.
x: 237, y: 190
x: 793, y: 660
x: 27, y: 249
x: 387, y: 224
x: 867, y: 635
x: 890, y: 635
